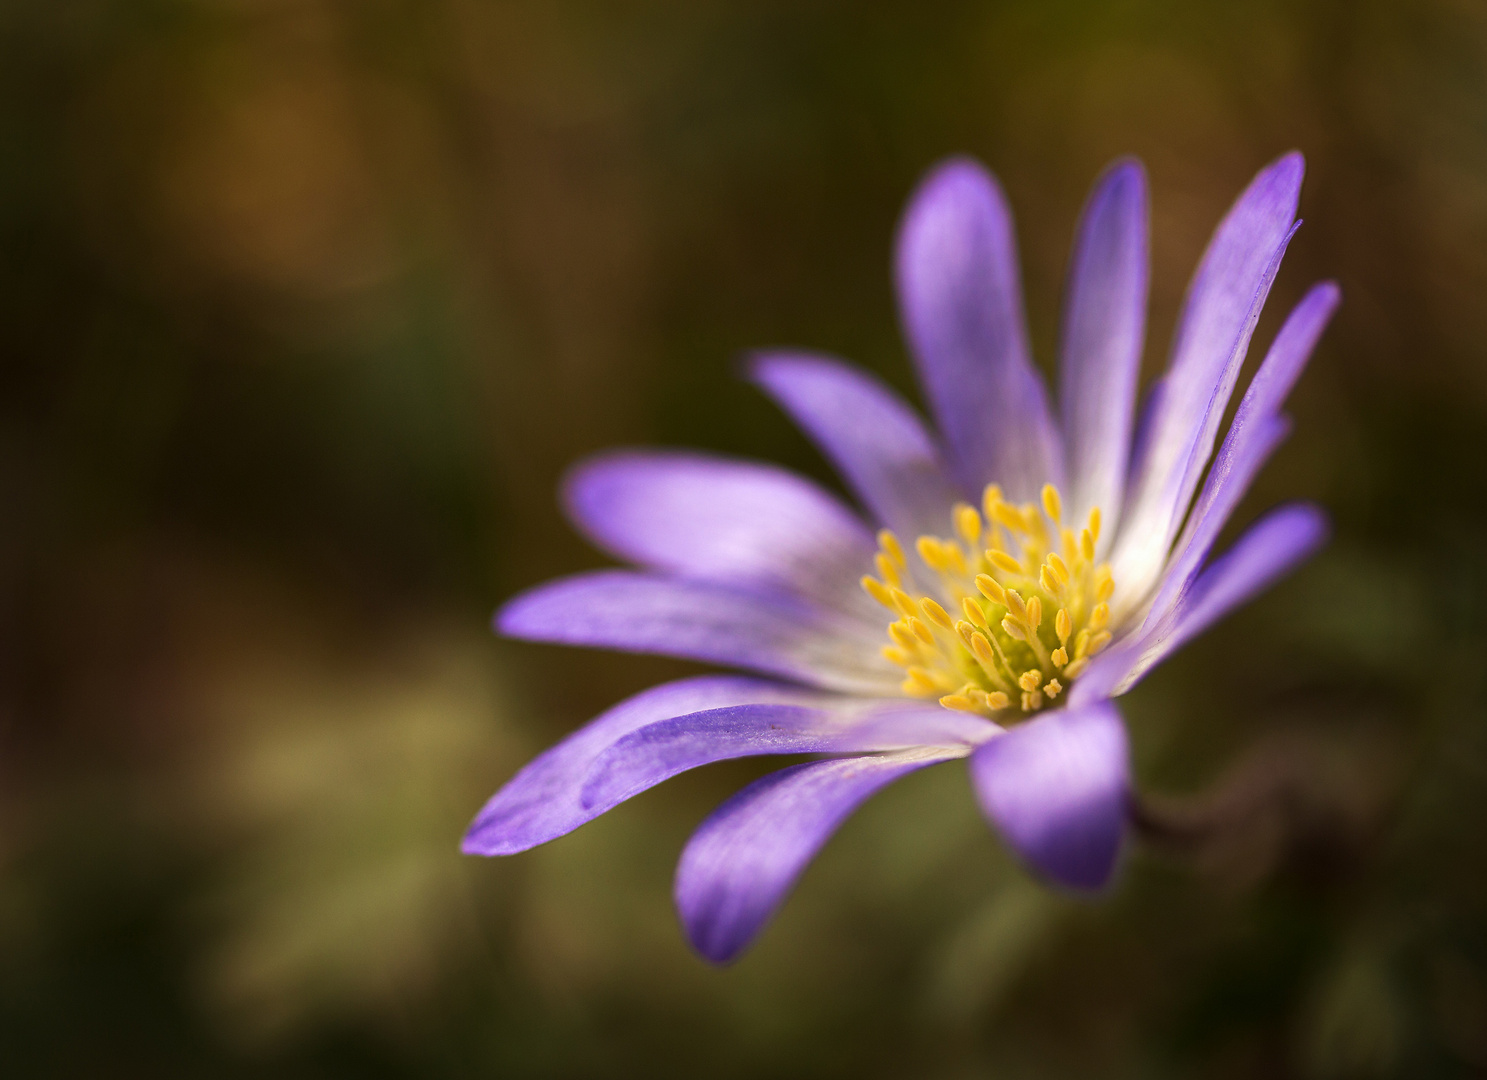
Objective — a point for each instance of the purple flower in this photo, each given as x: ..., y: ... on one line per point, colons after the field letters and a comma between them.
x: 1052, y: 566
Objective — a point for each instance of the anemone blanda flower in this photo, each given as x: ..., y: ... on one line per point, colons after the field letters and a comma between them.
x: 1051, y: 560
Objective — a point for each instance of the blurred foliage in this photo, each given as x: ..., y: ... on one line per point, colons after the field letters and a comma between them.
x: 304, y: 306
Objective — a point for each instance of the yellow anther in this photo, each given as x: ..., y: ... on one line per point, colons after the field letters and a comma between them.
x: 1070, y: 545
x: 981, y: 647
x: 1074, y: 670
x: 1060, y: 657
x: 960, y: 703
x: 889, y: 543
x: 1052, y: 504
x: 903, y: 636
x: 1004, y: 562
x: 954, y: 559
x: 1053, y: 689
x: 903, y: 602
x: 888, y: 569
x: 990, y: 588
x: 1099, y: 616
x: 1034, y: 612
x: 896, y: 656
x: 1059, y: 567
x: 1014, y: 628
x: 991, y: 498
x: 1063, y: 626
x: 1098, y: 642
x: 968, y: 522
x: 1031, y: 700
x: 936, y: 614
x: 1104, y: 582
x: 922, y: 632
x: 1087, y: 545
x: 973, y: 612
x: 1094, y: 525
x: 925, y: 679
x: 930, y: 551
x: 1015, y: 605
x: 1050, y: 582
x: 1030, y: 679
x: 996, y: 701
x: 1010, y: 516
x: 878, y: 591
x: 1081, y: 644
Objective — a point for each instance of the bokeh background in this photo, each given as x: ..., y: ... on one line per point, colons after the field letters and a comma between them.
x: 306, y: 304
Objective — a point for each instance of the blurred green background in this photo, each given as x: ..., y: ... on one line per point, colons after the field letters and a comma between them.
x: 305, y: 305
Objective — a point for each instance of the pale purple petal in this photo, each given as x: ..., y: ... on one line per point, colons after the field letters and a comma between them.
x: 1256, y: 431
x: 960, y: 296
x: 1057, y: 790
x: 1103, y: 333
x: 1182, y: 418
x: 661, y: 750
x: 723, y: 520
x: 874, y: 439
x: 743, y: 860
x: 700, y: 620
x: 541, y: 802
x: 1272, y: 548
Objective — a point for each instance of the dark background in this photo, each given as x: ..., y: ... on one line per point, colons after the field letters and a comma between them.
x: 305, y: 305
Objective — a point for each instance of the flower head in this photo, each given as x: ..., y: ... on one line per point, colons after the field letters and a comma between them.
x: 1028, y: 567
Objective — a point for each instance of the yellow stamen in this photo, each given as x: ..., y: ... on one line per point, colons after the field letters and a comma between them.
x: 878, y: 591
x: 936, y: 614
x: 1015, y: 605
x: 968, y: 521
x: 1053, y: 689
x: 1030, y: 679
x: 974, y: 613
x: 1060, y: 657
x: 922, y: 632
x: 1031, y: 699
x: 930, y: 551
x: 1052, y: 504
x: 887, y: 569
x: 896, y: 656
x: 889, y: 543
x: 1059, y: 567
x: 990, y: 588
x: 1034, y: 613
x: 1087, y: 545
x: 960, y: 703
x: 1098, y: 642
x: 1099, y: 616
x: 996, y: 700
x: 1076, y: 669
x: 1063, y: 626
x: 1014, y: 628
x: 1094, y: 525
x: 1004, y: 562
x: 903, y: 636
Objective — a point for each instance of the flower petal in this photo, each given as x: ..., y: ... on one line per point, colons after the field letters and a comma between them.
x: 541, y: 802
x: 1271, y: 548
x: 961, y: 301
x: 843, y: 725
x: 1057, y: 789
x: 874, y: 439
x: 1103, y: 333
x: 723, y: 520
x: 699, y: 620
x: 1254, y: 434
x: 741, y: 863
x: 1186, y: 407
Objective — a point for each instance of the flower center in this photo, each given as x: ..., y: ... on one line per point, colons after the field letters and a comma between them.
x: 1006, y: 568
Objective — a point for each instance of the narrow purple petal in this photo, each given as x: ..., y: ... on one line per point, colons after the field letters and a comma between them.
x: 1103, y: 333
x: 1057, y: 789
x: 961, y: 301
x: 1272, y: 548
x: 723, y: 520
x: 1182, y: 419
x: 699, y: 620
x: 742, y: 862
x: 666, y: 748
x: 1256, y: 431
x: 875, y: 440
x: 541, y: 802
